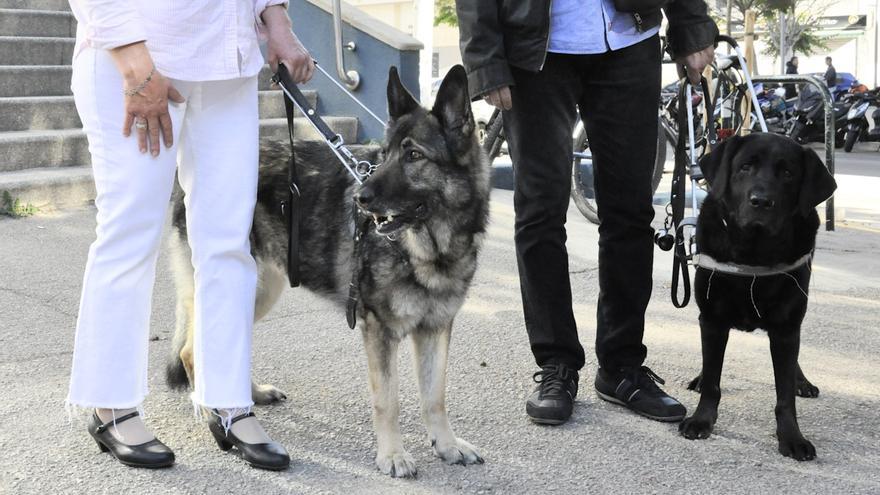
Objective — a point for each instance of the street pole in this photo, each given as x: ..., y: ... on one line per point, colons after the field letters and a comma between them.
x: 730, y: 20
x: 782, y: 42
x: 424, y: 32
x: 876, y: 28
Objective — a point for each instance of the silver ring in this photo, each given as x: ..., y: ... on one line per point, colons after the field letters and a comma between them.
x: 140, y: 124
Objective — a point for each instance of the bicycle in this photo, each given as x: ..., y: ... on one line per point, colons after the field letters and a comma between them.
x: 582, y: 189
x: 727, y: 119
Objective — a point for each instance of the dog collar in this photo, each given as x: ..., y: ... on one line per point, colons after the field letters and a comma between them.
x: 707, y: 262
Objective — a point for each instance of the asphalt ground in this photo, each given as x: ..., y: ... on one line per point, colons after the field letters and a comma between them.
x: 305, y: 348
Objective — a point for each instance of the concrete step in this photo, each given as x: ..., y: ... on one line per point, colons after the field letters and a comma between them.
x: 20, y: 22
x: 54, y: 80
x: 34, y: 50
x: 50, y: 188
x: 57, y: 188
x: 22, y: 150
x: 41, y: 80
x: 38, y: 113
x: 56, y: 5
x: 272, y: 103
x: 59, y: 112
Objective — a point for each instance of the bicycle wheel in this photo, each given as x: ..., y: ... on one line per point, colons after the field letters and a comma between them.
x: 583, y: 191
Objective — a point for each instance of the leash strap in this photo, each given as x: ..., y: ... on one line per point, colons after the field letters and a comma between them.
x: 359, y: 169
x: 283, y: 79
x: 361, y: 225
x: 292, y: 205
x: 679, y: 179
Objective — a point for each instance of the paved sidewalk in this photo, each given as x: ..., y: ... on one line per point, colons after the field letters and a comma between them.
x: 305, y: 348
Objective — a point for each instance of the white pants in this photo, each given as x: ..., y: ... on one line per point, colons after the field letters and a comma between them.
x: 216, y: 142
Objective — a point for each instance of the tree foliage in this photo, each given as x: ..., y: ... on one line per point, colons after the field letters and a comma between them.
x: 444, y: 13
x: 801, y: 26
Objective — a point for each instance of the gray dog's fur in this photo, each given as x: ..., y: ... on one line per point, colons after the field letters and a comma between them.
x: 427, y: 206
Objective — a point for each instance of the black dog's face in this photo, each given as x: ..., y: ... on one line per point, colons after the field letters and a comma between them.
x: 418, y: 170
x: 763, y: 180
x: 765, y: 177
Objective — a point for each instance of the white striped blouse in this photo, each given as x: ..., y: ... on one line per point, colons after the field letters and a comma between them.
x: 191, y: 40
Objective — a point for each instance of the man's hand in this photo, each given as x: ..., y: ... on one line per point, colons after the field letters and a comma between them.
x: 499, y: 98
x: 284, y: 47
x: 695, y: 64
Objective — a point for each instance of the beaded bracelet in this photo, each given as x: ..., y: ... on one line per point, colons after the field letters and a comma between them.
x: 141, y: 86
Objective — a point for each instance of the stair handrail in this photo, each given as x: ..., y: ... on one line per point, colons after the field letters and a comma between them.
x: 350, y: 78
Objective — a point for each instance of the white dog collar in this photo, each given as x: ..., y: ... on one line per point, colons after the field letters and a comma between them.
x: 706, y: 262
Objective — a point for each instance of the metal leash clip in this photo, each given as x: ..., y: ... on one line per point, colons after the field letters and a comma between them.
x: 358, y: 169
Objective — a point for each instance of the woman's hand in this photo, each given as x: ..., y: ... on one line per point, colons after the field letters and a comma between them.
x: 147, y: 108
x: 284, y: 47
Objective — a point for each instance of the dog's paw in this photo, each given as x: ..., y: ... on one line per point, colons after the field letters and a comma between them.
x: 807, y: 389
x: 798, y: 448
x: 696, y: 384
x: 397, y: 464
x: 266, y: 394
x: 457, y: 452
x: 694, y: 428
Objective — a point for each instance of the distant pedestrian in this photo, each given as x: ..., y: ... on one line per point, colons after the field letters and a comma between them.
x: 830, y: 74
x: 791, y: 67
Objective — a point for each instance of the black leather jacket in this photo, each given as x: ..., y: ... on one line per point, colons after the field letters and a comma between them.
x: 495, y: 34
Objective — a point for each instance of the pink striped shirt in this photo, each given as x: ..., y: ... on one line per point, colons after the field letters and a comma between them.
x: 190, y: 40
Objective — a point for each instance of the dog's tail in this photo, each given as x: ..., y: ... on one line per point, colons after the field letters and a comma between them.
x: 175, y: 373
x: 181, y: 268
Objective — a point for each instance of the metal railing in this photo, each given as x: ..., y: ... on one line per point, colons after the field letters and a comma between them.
x: 351, y: 78
x: 828, y: 104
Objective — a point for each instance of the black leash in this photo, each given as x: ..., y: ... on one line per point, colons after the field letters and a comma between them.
x: 678, y: 194
x: 359, y: 170
x: 291, y: 208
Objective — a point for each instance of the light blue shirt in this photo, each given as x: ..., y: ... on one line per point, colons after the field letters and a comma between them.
x: 584, y: 27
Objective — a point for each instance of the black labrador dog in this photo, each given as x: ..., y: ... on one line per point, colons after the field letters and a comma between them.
x: 760, y: 220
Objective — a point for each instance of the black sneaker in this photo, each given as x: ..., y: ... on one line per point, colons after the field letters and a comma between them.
x: 636, y: 389
x: 552, y: 401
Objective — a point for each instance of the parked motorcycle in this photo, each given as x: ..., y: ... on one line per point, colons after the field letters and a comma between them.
x: 809, y: 122
x: 857, y: 121
x: 778, y: 112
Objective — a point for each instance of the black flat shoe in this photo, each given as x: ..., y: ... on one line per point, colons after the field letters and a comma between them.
x: 153, y: 454
x: 271, y: 456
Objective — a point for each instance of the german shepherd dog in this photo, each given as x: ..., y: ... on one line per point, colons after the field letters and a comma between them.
x: 426, y: 209
x: 760, y: 212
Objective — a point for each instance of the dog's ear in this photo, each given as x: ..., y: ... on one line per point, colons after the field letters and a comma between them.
x: 452, y: 107
x: 817, y: 184
x: 716, y: 165
x: 400, y: 100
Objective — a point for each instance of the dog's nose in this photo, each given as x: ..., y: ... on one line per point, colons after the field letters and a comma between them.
x: 761, y: 201
x: 365, y: 196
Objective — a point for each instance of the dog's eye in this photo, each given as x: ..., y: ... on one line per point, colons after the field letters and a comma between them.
x: 745, y: 167
x: 786, y: 173
x: 414, y: 155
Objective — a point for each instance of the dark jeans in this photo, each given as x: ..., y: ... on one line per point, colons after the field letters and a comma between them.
x: 617, y: 94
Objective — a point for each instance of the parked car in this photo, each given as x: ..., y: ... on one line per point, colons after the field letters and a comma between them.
x: 844, y: 82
